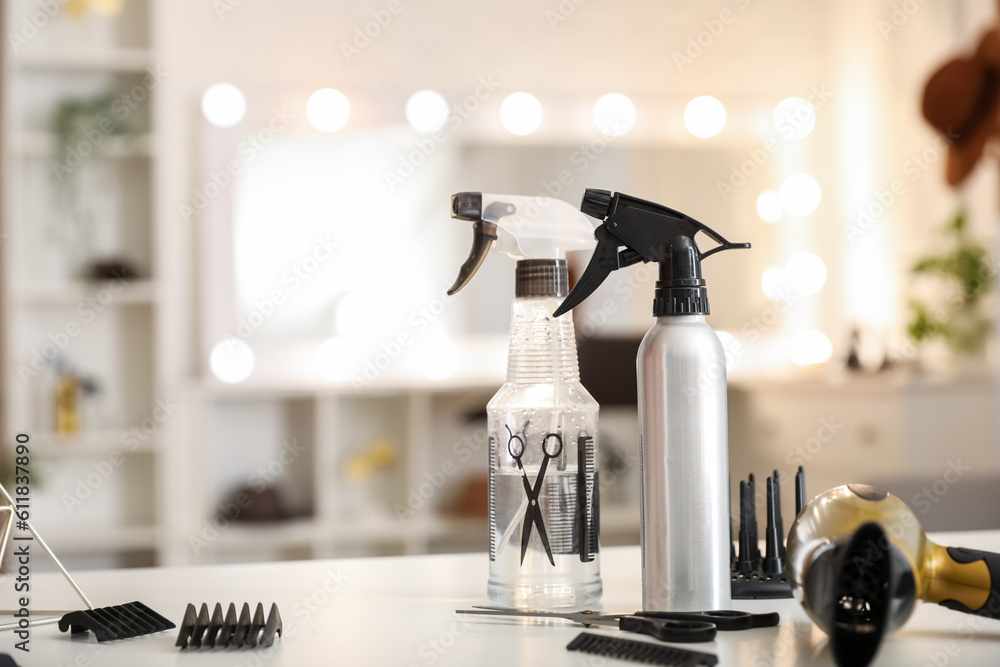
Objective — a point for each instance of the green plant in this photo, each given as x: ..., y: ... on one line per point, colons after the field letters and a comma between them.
x: 80, y: 129
x: 961, y: 322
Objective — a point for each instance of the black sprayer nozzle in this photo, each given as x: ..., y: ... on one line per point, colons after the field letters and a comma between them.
x: 636, y: 230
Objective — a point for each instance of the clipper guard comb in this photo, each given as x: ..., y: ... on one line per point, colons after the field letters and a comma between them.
x: 198, y: 630
x: 119, y: 622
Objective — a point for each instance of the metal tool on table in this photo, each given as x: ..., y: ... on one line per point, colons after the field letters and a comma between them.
x: 723, y: 619
x: 533, y: 514
x: 667, y: 630
x: 859, y: 562
x: 112, y: 623
x: 638, y: 651
x: 198, y: 630
x: 757, y: 576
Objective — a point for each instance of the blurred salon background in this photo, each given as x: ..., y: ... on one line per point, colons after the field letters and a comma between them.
x: 226, y: 243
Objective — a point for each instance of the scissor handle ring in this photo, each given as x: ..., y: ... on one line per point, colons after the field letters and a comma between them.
x: 545, y: 445
x: 515, y: 452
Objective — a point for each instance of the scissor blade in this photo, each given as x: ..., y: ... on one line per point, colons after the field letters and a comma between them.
x: 543, y: 535
x: 529, y: 518
x: 576, y: 617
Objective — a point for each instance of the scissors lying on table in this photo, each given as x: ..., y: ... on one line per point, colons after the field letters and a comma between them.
x: 668, y: 626
x: 533, y: 515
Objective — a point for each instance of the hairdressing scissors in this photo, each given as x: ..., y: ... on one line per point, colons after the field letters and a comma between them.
x: 533, y: 515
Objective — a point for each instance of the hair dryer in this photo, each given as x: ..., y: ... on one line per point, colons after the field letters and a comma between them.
x: 858, y: 561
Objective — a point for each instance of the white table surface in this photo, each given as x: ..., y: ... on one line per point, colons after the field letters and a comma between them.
x: 400, y: 611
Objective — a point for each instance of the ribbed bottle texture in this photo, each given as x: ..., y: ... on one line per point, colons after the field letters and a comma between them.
x: 542, y: 347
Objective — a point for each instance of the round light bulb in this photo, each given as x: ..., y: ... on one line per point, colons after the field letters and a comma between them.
x: 231, y: 360
x: 614, y: 114
x: 704, y: 117
x: 769, y: 206
x: 223, y: 105
x: 805, y: 272
x: 800, y: 194
x: 810, y: 347
x: 521, y: 113
x: 427, y: 111
x: 328, y: 110
x: 794, y: 118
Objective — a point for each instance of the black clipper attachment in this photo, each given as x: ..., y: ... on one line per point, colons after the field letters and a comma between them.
x: 119, y: 622
x: 757, y: 576
x: 198, y: 630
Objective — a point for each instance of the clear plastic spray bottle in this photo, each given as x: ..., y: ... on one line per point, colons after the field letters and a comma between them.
x: 542, y: 423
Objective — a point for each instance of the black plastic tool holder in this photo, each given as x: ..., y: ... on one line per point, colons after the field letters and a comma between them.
x: 757, y: 576
x: 647, y: 653
x: 119, y: 622
x: 198, y: 630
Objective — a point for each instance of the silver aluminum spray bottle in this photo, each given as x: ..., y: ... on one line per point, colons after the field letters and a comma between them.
x: 683, y: 432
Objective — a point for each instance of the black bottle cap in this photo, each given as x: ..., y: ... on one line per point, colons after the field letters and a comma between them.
x: 681, y: 289
x: 541, y: 277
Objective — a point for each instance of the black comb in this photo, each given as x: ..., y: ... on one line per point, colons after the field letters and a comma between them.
x: 119, y: 622
x: 199, y: 630
x: 636, y: 651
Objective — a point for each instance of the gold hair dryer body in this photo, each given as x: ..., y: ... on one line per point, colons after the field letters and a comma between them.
x: 858, y: 560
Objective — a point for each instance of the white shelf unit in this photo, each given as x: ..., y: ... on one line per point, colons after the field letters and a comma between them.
x: 96, y: 495
x: 440, y: 442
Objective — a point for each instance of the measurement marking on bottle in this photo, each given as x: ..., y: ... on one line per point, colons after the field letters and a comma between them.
x: 493, y: 498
